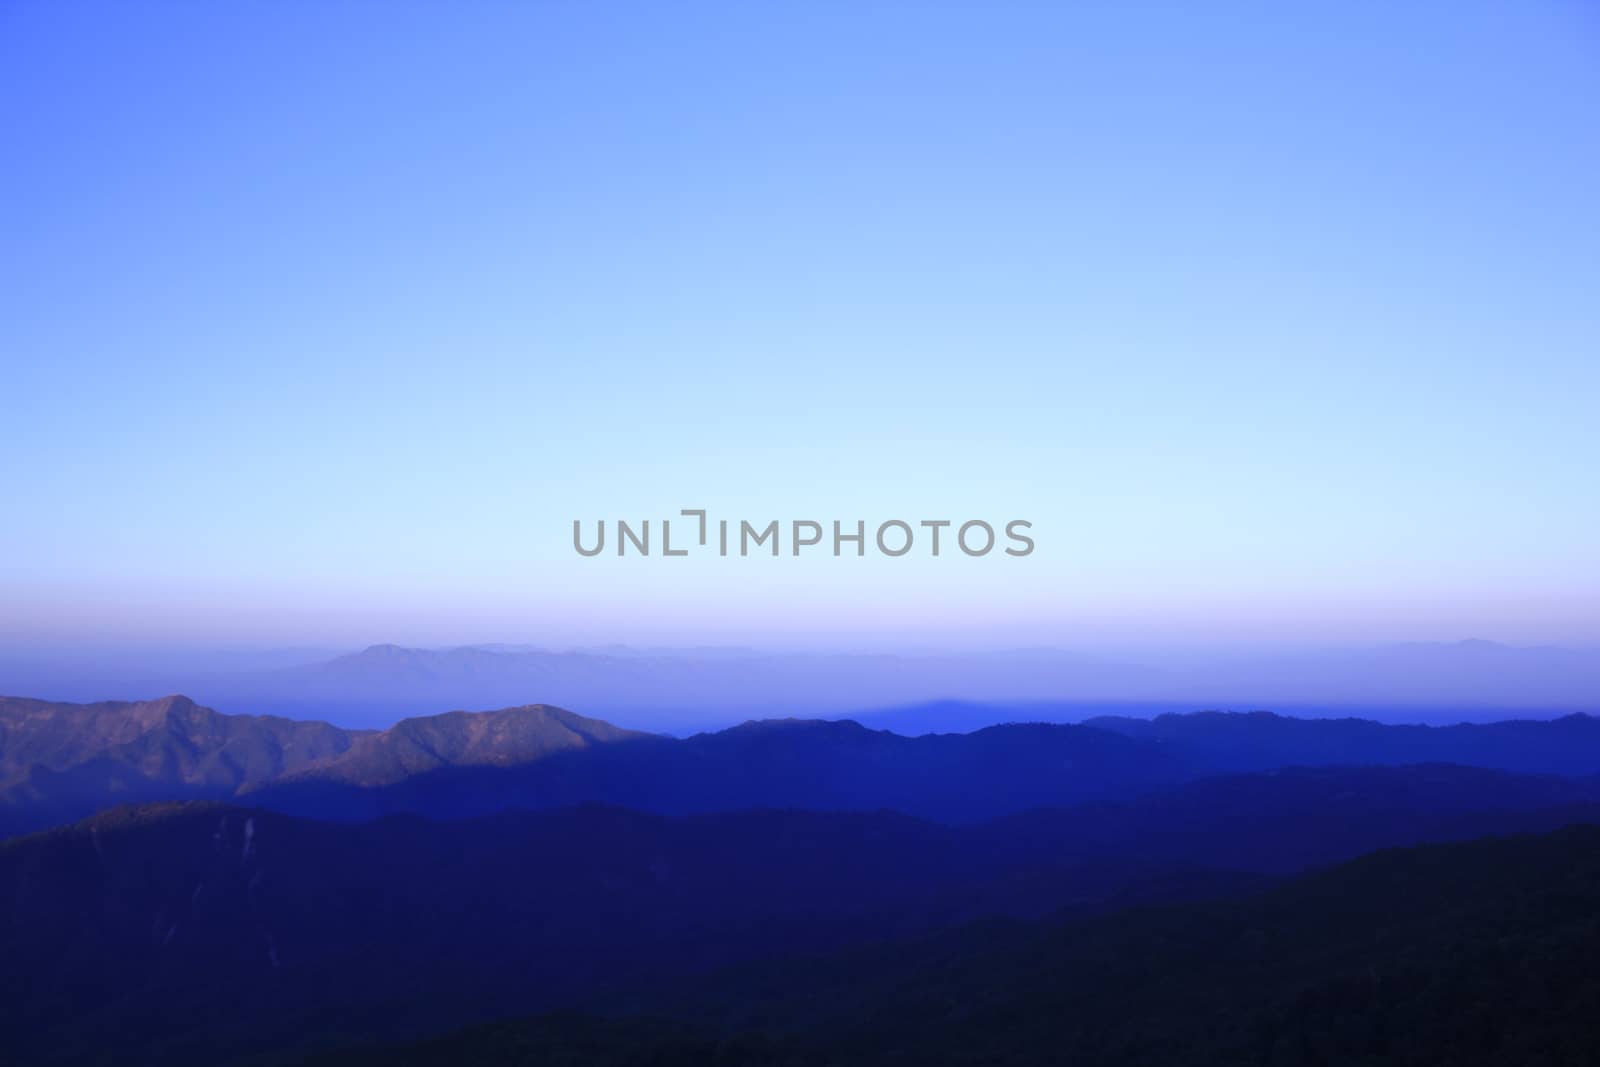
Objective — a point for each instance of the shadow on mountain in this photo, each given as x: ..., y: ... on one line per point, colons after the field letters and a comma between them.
x: 824, y: 766
x: 1234, y: 741
x: 64, y: 761
x: 1466, y: 954
x: 195, y: 933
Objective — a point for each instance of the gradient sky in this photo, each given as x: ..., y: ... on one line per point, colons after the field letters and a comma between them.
x: 321, y: 322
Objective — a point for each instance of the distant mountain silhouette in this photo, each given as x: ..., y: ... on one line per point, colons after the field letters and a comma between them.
x: 672, y: 685
x: 192, y: 933
x: 1434, y: 674
x: 700, y: 686
x: 686, y: 689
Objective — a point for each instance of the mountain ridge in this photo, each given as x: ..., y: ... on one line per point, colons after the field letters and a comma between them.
x: 684, y: 689
x: 1486, y: 959
x: 65, y: 760
x: 194, y: 932
x: 61, y: 762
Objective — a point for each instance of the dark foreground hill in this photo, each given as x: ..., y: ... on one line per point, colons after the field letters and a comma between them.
x: 191, y: 933
x: 199, y: 932
x: 1465, y: 954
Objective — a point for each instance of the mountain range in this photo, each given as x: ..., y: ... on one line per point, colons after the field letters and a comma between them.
x: 684, y: 690
x: 200, y: 932
x: 184, y: 886
x: 60, y: 762
x: 1473, y: 954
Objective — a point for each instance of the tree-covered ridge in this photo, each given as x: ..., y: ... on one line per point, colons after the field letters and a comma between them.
x: 1475, y: 953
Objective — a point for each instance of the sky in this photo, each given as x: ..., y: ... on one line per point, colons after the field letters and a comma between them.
x: 321, y: 323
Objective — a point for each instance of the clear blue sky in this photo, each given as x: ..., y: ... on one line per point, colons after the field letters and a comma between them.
x: 321, y: 322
